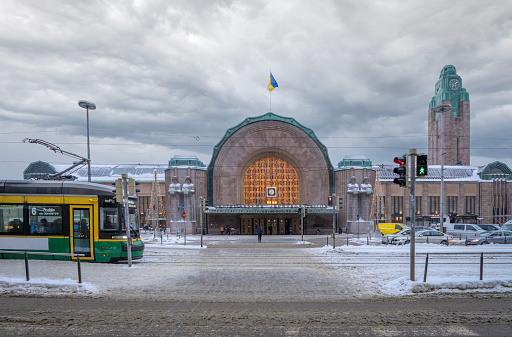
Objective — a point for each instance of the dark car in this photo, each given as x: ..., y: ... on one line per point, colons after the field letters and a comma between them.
x: 489, y: 227
x: 499, y: 237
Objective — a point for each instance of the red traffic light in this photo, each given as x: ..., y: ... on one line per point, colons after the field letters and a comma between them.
x: 329, y: 201
x: 399, y: 160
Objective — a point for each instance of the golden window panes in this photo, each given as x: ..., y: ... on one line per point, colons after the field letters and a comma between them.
x: 271, y: 172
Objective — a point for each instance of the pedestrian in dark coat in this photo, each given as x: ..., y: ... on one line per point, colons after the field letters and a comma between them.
x: 259, y: 230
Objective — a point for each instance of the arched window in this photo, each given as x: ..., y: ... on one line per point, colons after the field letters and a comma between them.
x: 274, y: 174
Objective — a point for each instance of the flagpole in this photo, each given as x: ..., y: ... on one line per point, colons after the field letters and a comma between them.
x: 270, y: 92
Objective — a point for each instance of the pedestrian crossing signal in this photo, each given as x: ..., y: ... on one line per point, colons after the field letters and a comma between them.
x: 184, y: 215
x: 421, y: 165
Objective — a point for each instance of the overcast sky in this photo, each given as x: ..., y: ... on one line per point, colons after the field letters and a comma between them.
x: 170, y: 77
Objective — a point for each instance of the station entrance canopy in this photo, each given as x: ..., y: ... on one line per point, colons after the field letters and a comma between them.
x: 289, y: 209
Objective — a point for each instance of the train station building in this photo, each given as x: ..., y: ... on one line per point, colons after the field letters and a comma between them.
x: 270, y: 170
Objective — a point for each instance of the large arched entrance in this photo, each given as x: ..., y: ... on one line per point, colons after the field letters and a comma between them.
x: 271, y: 181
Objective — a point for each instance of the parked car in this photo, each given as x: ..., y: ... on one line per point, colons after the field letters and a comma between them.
x: 391, y: 228
x: 386, y: 239
x: 423, y: 228
x: 461, y: 230
x: 499, y: 237
x: 425, y: 237
x: 489, y: 227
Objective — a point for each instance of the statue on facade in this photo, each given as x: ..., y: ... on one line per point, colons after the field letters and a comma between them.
x: 353, y: 187
x: 366, y: 187
x: 174, y: 186
x: 188, y: 187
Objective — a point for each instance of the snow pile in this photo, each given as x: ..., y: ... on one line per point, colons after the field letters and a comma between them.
x: 45, y: 287
x: 384, y: 270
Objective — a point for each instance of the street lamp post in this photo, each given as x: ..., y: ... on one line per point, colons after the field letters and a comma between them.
x: 442, y: 109
x: 88, y: 105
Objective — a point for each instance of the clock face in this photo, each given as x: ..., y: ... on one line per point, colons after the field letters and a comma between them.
x: 454, y: 84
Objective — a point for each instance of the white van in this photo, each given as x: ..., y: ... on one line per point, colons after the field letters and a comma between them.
x: 462, y: 230
x: 507, y: 226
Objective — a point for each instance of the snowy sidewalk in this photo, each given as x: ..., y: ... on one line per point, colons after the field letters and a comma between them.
x: 282, y: 266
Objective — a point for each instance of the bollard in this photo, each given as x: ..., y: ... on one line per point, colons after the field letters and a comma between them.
x: 367, y: 240
x: 426, y: 268
x: 327, y: 241
x: 161, y: 239
x: 481, y: 266
x: 26, y: 266
x: 79, y: 269
x: 347, y: 239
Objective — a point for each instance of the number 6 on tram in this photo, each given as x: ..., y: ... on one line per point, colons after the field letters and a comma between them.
x: 66, y: 217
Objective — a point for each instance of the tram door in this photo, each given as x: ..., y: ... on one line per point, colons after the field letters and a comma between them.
x: 81, y: 230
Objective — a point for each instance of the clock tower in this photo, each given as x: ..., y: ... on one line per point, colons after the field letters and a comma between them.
x: 449, y: 90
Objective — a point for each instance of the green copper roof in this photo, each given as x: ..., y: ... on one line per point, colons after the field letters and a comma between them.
x: 269, y: 116
x: 187, y: 161
x: 449, y: 88
x: 496, y: 170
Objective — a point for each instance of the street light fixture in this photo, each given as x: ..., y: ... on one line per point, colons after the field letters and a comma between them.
x: 442, y: 109
x: 88, y: 105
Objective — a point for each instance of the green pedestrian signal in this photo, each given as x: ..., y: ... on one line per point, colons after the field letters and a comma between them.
x: 421, y: 165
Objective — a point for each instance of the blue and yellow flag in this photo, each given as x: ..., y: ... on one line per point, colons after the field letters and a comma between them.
x: 272, y: 84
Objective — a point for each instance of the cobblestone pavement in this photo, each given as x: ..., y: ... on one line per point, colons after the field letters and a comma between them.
x: 238, y: 287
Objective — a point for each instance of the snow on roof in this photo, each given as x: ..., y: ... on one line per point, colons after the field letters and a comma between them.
x: 458, y: 173
x: 107, y: 173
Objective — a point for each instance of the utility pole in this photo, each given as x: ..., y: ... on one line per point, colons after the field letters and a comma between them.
x: 127, y: 219
x: 412, y: 170
x: 333, y: 222
x: 201, y: 209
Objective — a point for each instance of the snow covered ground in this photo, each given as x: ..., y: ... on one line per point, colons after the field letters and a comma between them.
x: 378, y: 270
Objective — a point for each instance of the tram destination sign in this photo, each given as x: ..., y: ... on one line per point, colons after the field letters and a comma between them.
x: 44, y: 210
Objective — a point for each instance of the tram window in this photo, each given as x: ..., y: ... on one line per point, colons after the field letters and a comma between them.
x: 109, y: 219
x: 45, y: 219
x: 11, y: 219
x: 134, y: 220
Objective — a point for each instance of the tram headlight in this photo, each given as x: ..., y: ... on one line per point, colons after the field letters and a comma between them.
x: 119, y: 237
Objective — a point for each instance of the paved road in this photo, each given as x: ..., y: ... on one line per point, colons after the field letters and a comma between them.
x: 240, y: 288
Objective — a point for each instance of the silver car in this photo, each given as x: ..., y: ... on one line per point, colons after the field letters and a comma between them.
x: 386, y: 239
x: 500, y: 237
x: 425, y: 237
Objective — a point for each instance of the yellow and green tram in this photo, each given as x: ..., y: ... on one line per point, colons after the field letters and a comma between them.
x: 66, y: 217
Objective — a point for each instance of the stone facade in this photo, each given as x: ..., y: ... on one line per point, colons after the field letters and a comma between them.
x: 456, y: 136
x: 182, y: 201
x: 265, y: 139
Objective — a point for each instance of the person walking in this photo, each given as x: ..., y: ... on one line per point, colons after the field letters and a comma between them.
x: 259, y: 230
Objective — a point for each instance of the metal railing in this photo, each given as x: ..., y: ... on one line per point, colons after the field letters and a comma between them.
x: 462, y: 253
x: 2, y: 252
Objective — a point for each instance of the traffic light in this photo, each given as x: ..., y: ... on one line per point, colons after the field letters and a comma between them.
x: 131, y: 186
x: 421, y: 165
x: 119, y: 190
x: 302, y: 211
x: 203, y: 203
x: 401, y: 171
x: 339, y: 203
x: 329, y: 201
